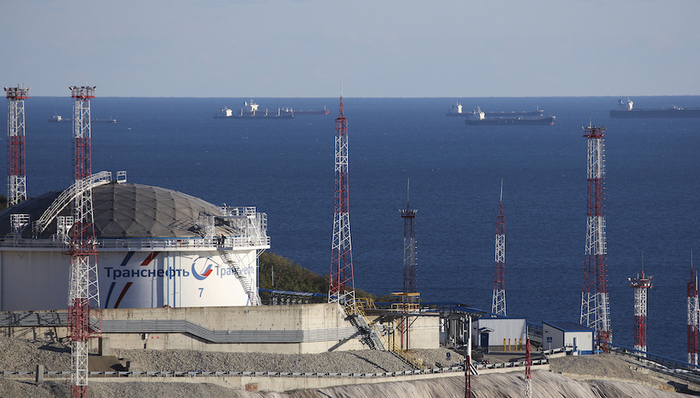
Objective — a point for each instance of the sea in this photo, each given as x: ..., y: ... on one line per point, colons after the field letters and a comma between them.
x: 406, y: 150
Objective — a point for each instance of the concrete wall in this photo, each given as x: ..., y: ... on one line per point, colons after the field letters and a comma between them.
x: 424, y: 332
x: 324, y: 319
x: 285, y: 329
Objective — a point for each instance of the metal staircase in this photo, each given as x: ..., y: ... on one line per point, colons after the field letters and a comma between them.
x: 370, y: 337
x: 407, y: 357
x: 252, y: 293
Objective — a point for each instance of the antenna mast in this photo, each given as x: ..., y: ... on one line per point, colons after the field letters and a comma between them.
x: 595, y: 307
x: 342, y: 280
x: 409, y: 249
x: 498, y: 302
x: 640, y: 284
x: 16, y: 158
x: 693, y: 311
x: 84, y: 288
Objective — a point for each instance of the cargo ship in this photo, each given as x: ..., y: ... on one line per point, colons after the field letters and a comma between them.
x: 480, y: 118
x: 458, y: 110
x: 61, y: 119
x: 250, y: 111
x: 625, y: 109
x: 312, y: 112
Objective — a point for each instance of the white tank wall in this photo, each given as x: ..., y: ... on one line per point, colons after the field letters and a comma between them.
x: 38, y: 280
x: 33, y: 280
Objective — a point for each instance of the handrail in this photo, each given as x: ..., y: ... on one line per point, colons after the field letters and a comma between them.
x: 67, y: 196
x: 145, y: 243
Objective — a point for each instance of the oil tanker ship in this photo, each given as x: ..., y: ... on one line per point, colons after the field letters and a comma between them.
x: 480, y: 118
x: 625, y: 109
x: 250, y: 111
x: 458, y: 110
x: 312, y: 111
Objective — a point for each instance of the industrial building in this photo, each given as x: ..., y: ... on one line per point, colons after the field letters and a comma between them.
x: 500, y: 333
x: 569, y: 335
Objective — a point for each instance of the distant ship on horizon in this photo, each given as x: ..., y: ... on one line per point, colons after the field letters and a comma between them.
x: 481, y: 118
x: 250, y: 111
x: 60, y: 119
x: 625, y: 109
x: 458, y: 110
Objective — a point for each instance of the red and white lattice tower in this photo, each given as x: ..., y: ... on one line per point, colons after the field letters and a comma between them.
x: 409, y: 250
x: 468, y: 360
x: 528, y: 374
x: 595, y: 304
x: 693, y: 311
x: 83, y: 290
x: 16, y: 162
x: 498, y: 301
x: 342, y: 280
x: 641, y: 285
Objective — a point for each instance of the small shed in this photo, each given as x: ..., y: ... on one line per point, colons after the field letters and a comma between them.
x: 500, y: 332
x: 571, y: 335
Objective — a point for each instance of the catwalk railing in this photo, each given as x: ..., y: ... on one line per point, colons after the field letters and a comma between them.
x: 459, y: 369
x: 183, y: 244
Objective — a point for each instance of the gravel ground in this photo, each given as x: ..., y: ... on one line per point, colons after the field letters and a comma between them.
x: 23, y: 355
x: 616, y: 367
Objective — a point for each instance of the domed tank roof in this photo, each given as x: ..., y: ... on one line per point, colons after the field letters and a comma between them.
x: 128, y: 211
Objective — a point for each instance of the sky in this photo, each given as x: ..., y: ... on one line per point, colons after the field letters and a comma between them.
x: 376, y: 48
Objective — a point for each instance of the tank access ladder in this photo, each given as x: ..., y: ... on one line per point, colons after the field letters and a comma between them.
x: 249, y: 290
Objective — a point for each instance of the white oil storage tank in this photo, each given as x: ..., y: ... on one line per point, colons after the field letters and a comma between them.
x: 156, y: 248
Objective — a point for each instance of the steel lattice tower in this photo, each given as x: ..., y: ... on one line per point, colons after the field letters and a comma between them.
x: 498, y: 302
x: 342, y: 280
x: 16, y: 162
x: 641, y: 285
x: 595, y: 308
x: 528, y: 365
x: 468, y: 360
x: 83, y: 248
x: 409, y: 249
x: 693, y: 311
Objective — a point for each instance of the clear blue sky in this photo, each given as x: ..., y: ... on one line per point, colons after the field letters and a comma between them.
x: 377, y: 48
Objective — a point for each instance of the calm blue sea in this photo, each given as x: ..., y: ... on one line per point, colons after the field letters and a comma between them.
x: 285, y: 168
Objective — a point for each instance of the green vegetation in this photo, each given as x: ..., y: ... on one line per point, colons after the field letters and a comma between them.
x: 294, y: 277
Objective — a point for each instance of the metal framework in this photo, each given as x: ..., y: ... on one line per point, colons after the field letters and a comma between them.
x: 409, y: 248
x: 693, y: 311
x: 595, y: 305
x: 83, y: 290
x: 498, y: 301
x: 342, y: 281
x: 16, y: 158
x: 468, y: 359
x: 641, y: 285
x: 528, y: 374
